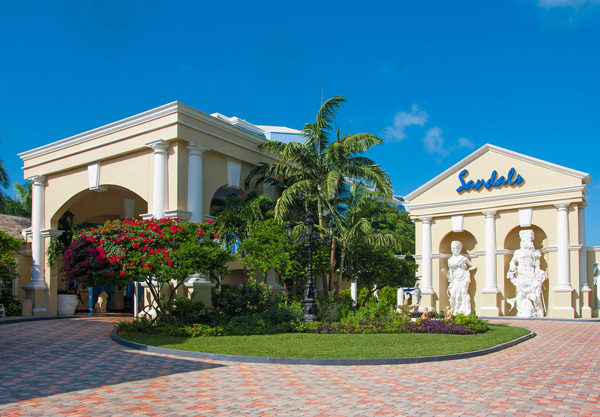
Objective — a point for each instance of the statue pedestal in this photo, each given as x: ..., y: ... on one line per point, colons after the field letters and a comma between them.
x: 200, y: 289
x: 563, y: 301
x: 277, y: 287
x: 586, y: 302
x: 490, y: 304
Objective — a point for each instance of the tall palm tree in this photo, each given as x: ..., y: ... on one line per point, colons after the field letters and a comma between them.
x: 320, y: 166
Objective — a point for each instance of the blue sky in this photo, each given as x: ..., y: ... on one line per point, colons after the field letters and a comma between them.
x: 435, y: 79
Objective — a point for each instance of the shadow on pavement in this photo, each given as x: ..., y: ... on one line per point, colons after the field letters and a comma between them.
x: 43, y: 358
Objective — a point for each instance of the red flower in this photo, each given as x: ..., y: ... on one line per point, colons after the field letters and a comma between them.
x: 173, y: 228
x: 200, y: 232
x: 209, y: 221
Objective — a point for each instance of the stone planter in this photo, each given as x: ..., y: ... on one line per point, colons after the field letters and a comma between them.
x: 67, y: 303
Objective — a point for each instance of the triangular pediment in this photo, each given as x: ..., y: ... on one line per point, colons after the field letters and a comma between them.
x: 492, y: 172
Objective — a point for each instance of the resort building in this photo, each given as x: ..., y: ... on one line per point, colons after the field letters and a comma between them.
x: 484, y: 202
x: 167, y: 162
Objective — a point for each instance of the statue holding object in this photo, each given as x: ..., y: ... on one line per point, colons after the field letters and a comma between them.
x: 459, y: 278
x: 525, y: 274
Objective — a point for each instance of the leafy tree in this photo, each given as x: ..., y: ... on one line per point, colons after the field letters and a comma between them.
x: 320, y: 166
x: 8, y: 263
x: 375, y: 268
x: 160, y: 252
x: 356, y: 224
x: 268, y: 248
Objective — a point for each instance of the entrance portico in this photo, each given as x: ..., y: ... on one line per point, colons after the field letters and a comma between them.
x: 166, y: 162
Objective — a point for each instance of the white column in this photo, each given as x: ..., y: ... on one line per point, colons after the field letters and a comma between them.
x: 491, y: 280
x: 563, y: 270
x: 426, y: 287
x: 583, y: 282
x: 161, y: 154
x: 37, y: 240
x: 195, y: 201
x: 354, y: 291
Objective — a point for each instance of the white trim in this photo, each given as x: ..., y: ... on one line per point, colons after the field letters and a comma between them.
x: 179, y: 214
x: 488, y: 147
x: 527, y: 194
x: 165, y: 110
x: 51, y: 233
x: 593, y: 248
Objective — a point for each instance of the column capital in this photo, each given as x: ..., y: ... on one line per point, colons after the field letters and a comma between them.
x: 490, y: 213
x: 37, y: 179
x: 159, y: 146
x: 562, y: 206
x: 195, y: 149
x: 425, y: 220
x: 583, y: 205
x: 51, y: 233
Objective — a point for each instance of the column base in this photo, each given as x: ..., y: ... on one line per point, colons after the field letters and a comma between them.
x: 278, y: 288
x: 586, y: 300
x: 563, y: 305
x: 490, y: 304
x: 201, y: 289
x: 38, y: 294
x: 428, y: 301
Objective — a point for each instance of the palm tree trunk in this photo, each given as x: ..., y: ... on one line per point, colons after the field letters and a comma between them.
x: 339, y: 277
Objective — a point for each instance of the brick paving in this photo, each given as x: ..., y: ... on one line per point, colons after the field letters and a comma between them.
x: 71, y: 367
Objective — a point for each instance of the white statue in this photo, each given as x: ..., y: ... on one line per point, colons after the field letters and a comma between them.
x: 525, y: 274
x: 459, y: 279
x: 417, y: 293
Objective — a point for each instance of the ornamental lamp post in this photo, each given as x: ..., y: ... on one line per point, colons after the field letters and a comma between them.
x: 311, y: 238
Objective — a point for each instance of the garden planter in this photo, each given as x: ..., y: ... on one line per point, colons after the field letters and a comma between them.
x: 67, y: 303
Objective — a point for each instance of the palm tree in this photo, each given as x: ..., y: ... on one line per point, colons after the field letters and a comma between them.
x: 20, y: 206
x: 237, y: 216
x: 4, y: 183
x: 355, y: 226
x: 320, y: 167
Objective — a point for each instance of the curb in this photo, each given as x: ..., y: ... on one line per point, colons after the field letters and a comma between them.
x: 319, y: 362
x: 21, y: 319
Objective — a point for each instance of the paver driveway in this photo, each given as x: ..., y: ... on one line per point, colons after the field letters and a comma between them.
x: 71, y: 367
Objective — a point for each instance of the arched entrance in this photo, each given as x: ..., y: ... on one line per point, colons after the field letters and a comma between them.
x: 88, y: 209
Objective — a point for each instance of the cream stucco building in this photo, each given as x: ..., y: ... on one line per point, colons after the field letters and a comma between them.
x: 484, y: 201
x: 167, y: 162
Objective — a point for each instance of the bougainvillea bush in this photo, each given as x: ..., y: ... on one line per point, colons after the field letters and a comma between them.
x: 160, y: 252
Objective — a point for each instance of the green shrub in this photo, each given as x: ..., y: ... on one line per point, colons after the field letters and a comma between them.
x: 388, y: 296
x: 248, y: 324
x: 12, y: 305
x: 472, y: 322
x: 248, y: 298
x: 203, y: 330
x: 188, y: 312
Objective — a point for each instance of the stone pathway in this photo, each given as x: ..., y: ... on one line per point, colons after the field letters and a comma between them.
x: 71, y: 367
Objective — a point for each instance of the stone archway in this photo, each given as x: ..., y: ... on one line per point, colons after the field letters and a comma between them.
x: 469, y: 243
x: 512, y: 242
x: 91, y: 208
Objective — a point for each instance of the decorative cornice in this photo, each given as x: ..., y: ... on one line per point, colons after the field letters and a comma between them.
x: 51, y: 233
x: 147, y: 116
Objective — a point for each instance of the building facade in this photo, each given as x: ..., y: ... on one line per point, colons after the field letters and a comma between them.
x: 485, y: 201
x: 167, y: 162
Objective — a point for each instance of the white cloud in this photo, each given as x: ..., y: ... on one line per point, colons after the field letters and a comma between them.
x: 465, y: 143
x: 402, y: 120
x: 434, y: 142
x: 549, y: 4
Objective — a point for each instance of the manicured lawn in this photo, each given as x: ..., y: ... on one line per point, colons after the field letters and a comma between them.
x: 336, y: 346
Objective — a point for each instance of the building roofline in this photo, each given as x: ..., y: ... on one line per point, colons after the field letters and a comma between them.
x: 153, y: 114
x: 489, y: 147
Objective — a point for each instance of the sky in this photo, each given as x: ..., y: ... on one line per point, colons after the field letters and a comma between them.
x: 434, y: 79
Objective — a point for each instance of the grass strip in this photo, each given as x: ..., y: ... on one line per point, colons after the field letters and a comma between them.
x: 336, y: 346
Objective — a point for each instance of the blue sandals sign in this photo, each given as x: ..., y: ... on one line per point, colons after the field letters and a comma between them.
x: 492, y: 182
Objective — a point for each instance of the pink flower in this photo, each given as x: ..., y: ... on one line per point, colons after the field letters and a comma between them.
x: 209, y: 221
x: 200, y: 232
